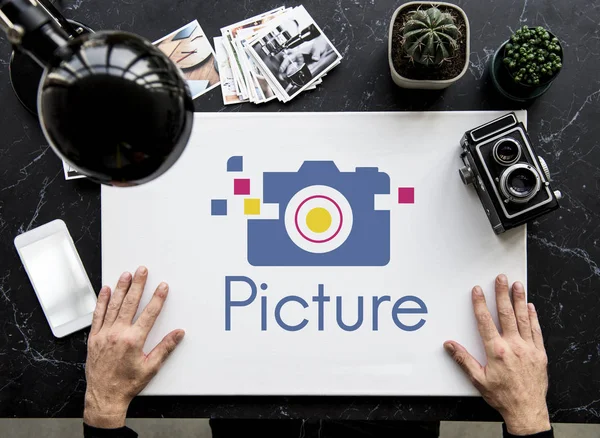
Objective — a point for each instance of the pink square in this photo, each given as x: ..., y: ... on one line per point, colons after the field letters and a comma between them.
x: 406, y: 195
x: 241, y: 186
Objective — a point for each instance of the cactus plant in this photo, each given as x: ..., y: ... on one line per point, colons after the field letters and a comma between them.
x: 533, y: 56
x: 429, y: 37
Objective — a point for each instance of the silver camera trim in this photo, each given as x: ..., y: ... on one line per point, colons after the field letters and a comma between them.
x: 493, y: 182
x: 495, y: 152
x: 512, y: 194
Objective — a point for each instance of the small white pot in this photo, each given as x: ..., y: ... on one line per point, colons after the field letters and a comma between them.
x: 403, y: 82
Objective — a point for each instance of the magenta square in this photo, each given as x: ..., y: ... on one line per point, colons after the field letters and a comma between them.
x: 241, y: 186
x: 406, y: 195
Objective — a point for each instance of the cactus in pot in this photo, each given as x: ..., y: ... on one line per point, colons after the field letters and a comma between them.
x: 430, y: 36
x: 524, y: 67
x: 533, y: 56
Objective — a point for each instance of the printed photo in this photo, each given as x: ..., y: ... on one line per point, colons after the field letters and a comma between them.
x: 262, y: 91
x: 71, y: 173
x: 246, y: 84
x: 295, y: 52
x: 228, y: 88
x: 190, y: 50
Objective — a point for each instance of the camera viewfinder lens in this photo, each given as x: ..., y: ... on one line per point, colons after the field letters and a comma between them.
x: 506, y: 151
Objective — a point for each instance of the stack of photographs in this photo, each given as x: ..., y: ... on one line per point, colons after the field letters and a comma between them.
x: 275, y: 55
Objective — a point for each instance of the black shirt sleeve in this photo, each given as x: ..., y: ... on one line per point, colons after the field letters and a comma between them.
x: 125, y: 432
x: 546, y: 434
x: 121, y: 432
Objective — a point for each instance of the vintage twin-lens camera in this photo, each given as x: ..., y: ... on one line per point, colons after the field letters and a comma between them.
x: 512, y: 182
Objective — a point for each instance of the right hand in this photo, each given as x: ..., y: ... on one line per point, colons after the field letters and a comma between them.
x: 515, y: 379
x: 291, y: 61
x: 295, y: 57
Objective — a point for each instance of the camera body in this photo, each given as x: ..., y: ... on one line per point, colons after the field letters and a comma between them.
x: 512, y: 182
x: 353, y: 232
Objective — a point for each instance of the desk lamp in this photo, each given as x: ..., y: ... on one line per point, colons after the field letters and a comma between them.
x: 110, y: 104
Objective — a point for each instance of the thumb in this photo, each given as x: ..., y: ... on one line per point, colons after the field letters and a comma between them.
x: 159, y: 354
x: 284, y: 65
x: 315, y: 52
x: 465, y: 360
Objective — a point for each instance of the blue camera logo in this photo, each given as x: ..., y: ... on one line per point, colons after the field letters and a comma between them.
x: 326, y: 218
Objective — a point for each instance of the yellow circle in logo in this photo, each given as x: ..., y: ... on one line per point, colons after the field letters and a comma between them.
x: 318, y: 220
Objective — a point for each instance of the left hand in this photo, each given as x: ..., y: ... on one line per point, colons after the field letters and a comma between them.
x: 117, y: 368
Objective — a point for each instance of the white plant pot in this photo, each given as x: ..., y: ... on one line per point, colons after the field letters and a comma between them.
x: 403, y: 82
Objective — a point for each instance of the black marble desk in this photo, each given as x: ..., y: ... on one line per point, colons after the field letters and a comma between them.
x: 41, y: 376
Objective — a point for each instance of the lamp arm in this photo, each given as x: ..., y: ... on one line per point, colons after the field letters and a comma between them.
x: 62, y: 21
x: 29, y: 27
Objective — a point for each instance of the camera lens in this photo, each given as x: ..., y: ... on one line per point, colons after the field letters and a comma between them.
x: 506, y: 151
x: 520, y: 183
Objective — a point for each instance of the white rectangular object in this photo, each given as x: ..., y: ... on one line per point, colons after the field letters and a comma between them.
x: 57, y: 276
x: 438, y: 248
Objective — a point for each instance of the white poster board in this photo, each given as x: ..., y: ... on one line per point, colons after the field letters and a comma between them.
x: 287, y: 339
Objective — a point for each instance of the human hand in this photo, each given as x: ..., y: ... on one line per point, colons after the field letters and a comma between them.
x: 515, y: 379
x: 292, y: 60
x: 117, y: 368
x: 316, y: 48
x: 295, y: 57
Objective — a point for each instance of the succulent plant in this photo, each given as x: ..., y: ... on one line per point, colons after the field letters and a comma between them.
x: 429, y: 36
x: 533, y: 56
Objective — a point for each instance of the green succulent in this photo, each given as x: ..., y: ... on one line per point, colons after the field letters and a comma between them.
x: 429, y: 37
x: 533, y: 56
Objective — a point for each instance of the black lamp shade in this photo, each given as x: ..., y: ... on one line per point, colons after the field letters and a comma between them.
x: 115, y: 108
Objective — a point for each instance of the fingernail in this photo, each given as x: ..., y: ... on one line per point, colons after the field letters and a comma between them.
x: 163, y: 287
x: 477, y: 291
x: 518, y: 287
x: 449, y: 348
x: 142, y: 270
x: 125, y: 276
x: 104, y: 290
x: 531, y: 307
x: 502, y: 279
x: 179, y: 336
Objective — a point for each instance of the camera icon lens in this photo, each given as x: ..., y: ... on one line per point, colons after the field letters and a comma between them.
x: 318, y: 219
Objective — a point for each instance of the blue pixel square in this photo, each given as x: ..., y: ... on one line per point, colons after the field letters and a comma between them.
x: 235, y: 164
x: 218, y: 207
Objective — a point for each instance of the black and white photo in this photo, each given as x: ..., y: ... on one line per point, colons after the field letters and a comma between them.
x: 294, y: 53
